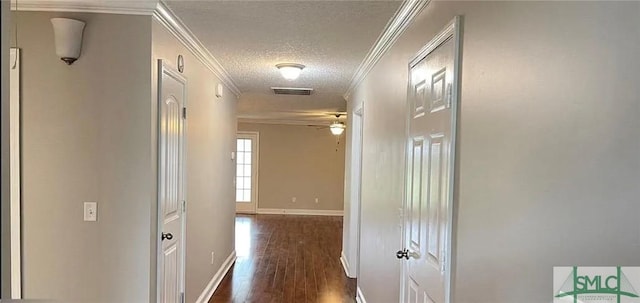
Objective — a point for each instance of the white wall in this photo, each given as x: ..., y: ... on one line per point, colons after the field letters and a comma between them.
x: 89, y: 134
x: 211, y: 133
x: 86, y: 136
x: 299, y: 161
x: 548, y: 146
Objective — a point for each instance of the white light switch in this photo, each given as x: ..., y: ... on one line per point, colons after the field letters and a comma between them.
x: 90, y: 211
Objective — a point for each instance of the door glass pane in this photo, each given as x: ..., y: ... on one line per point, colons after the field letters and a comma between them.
x: 243, y: 170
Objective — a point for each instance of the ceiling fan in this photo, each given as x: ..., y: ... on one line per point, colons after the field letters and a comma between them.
x: 337, y: 127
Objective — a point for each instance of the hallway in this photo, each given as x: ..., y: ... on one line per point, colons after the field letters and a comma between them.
x: 287, y: 259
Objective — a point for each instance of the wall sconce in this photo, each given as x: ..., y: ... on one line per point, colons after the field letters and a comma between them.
x: 68, y: 37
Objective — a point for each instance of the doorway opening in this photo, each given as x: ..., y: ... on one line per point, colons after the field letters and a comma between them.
x: 351, y: 252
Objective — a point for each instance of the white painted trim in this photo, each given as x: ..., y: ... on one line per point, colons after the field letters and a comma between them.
x: 285, y: 122
x: 156, y: 8
x: 357, y: 157
x: 208, y: 291
x: 145, y: 7
x: 359, y: 296
x: 14, y: 167
x: 255, y: 170
x: 408, y: 10
x: 345, y: 265
x: 171, y: 22
x: 301, y: 212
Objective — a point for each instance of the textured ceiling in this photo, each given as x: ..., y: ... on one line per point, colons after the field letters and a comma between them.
x: 250, y: 37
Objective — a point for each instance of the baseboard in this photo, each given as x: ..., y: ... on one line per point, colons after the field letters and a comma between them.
x: 301, y: 212
x: 359, y: 296
x: 207, y: 293
x: 345, y: 265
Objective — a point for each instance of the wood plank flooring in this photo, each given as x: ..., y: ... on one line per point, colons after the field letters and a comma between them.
x: 284, y: 259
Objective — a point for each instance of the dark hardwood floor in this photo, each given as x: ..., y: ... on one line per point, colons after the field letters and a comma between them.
x: 285, y: 259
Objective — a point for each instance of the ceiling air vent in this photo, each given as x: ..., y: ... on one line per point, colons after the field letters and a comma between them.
x: 292, y: 91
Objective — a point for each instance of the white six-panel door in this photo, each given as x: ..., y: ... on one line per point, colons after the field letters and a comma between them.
x: 171, y: 208
x: 432, y: 101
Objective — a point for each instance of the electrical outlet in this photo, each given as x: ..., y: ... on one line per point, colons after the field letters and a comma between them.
x: 293, y: 199
x: 317, y: 200
x: 91, y: 211
x: 213, y: 257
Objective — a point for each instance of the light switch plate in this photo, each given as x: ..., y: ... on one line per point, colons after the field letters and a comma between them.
x: 91, y: 211
x: 219, y: 90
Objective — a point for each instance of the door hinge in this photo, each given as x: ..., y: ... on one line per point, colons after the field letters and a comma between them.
x: 182, y: 297
x: 444, y: 262
x: 449, y: 94
x: 184, y: 113
x: 184, y: 206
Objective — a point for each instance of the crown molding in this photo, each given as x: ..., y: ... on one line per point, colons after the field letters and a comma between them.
x: 284, y: 122
x: 171, y: 22
x: 155, y: 8
x: 407, y: 11
x: 144, y: 7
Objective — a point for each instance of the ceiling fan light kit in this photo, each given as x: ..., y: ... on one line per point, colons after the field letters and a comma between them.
x: 337, y: 128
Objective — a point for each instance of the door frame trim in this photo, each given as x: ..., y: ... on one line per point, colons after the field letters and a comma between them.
x: 452, y: 30
x: 359, y: 112
x: 165, y: 68
x: 15, y: 175
x: 257, y: 167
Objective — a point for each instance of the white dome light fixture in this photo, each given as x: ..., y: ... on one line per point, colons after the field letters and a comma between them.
x: 290, y: 71
x: 68, y: 37
x: 337, y: 128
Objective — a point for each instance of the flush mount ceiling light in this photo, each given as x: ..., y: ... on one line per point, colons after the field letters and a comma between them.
x: 337, y: 128
x: 68, y: 37
x: 290, y: 71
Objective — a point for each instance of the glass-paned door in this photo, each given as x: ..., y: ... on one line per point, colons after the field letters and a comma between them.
x: 246, y: 172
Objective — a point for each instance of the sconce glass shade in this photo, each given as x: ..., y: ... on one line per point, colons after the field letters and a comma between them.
x: 290, y: 71
x: 337, y: 128
x: 68, y: 37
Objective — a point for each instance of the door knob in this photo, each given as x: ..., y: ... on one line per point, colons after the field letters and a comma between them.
x: 403, y: 254
x: 167, y: 236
